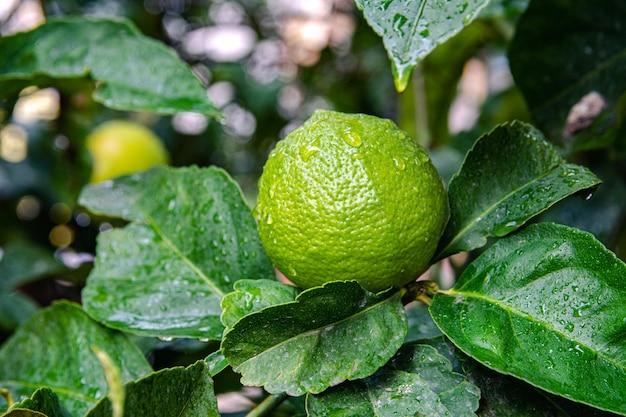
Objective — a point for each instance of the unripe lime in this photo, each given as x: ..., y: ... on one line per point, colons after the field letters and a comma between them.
x: 350, y: 197
x: 120, y: 147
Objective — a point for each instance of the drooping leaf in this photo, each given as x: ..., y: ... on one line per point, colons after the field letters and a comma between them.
x: 253, y: 295
x: 43, y: 401
x: 328, y: 334
x: 54, y: 350
x: 509, y: 176
x: 185, y: 392
x: 569, y: 52
x: 417, y: 382
x: 546, y: 305
x: 191, y: 237
x: 412, y: 29
x: 129, y: 70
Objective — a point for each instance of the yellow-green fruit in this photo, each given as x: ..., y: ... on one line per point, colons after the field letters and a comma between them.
x: 350, y: 197
x: 120, y: 147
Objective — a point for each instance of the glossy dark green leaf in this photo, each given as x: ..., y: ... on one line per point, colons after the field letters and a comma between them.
x: 54, y: 350
x: 253, y: 295
x: 417, y: 382
x: 412, y: 29
x: 184, y: 392
x: 329, y: 334
x: 546, y: 305
x: 421, y: 325
x: 165, y: 274
x: 564, y: 50
x: 130, y: 71
x: 43, y: 401
x: 509, y: 176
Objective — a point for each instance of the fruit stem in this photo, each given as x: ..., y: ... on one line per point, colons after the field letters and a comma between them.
x: 422, y: 291
x: 267, y: 405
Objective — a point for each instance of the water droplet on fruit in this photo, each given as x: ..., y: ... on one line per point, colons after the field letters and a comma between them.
x: 269, y: 220
x: 399, y: 164
x: 352, y: 138
x: 307, y: 151
x: 292, y: 271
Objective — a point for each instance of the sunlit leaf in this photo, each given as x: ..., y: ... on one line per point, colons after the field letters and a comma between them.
x: 191, y: 237
x: 546, y: 305
x: 328, y: 334
x: 509, y: 176
x: 412, y: 29
x: 128, y: 70
x: 54, y: 350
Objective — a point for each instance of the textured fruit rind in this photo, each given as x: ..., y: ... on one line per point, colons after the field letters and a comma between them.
x: 350, y: 197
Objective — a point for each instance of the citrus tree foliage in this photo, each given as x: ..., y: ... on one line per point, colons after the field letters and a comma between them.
x: 533, y: 326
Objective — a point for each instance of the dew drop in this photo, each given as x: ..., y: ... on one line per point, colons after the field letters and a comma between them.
x: 166, y: 338
x: 399, y: 164
x: 292, y: 271
x: 307, y: 151
x: 269, y: 219
x: 203, y: 339
x: 569, y: 327
x: 352, y: 138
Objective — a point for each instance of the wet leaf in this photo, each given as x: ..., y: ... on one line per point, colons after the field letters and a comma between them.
x: 328, y: 334
x: 417, y: 382
x: 184, y: 392
x: 546, y: 305
x: 191, y: 237
x: 32, y: 358
x: 572, y: 52
x: 509, y: 176
x: 412, y: 29
x: 128, y: 70
x: 253, y: 295
x: 43, y: 401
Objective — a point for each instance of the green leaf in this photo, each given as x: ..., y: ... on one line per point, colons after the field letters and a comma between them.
x: 253, y: 295
x: 329, y: 334
x: 165, y: 274
x: 129, y: 70
x: 412, y: 29
x: 43, y: 401
x: 54, y: 350
x: 216, y: 362
x: 417, y: 382
x: 509, y: 176
x: 184, y: 392
x: 23, y: 262
x: 503, y: 395
x: 546, y: 305
x: 563, y: 51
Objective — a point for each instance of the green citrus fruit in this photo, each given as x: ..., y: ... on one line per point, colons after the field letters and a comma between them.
x: 350, y: 197
x: 120, y: 147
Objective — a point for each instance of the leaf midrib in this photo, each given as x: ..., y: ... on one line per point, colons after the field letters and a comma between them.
x: 489, y: 209
x: 513, y: 310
